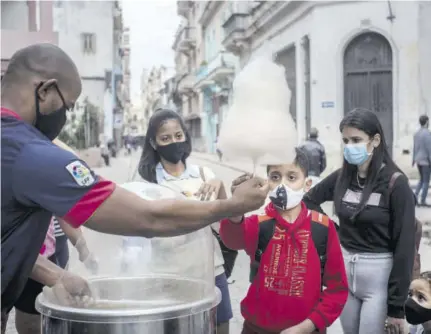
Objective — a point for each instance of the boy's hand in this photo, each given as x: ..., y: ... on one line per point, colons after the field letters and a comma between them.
x: 239, y: 180
x: 208, y: 189
x: 395, y: 326
x: 305, y: 327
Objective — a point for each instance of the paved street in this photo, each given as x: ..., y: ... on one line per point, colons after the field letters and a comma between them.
x: 122, y: 170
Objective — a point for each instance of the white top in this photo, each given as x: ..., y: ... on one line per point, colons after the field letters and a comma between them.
x: 189, y: 183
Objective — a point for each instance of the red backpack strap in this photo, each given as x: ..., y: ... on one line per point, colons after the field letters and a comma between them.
x: 319, y: 235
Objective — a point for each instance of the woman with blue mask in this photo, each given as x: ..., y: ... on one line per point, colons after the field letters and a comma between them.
x: 376, y: 214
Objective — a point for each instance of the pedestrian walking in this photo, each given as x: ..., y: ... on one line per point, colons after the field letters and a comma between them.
x: 294, y: 253
x: 377, y: 226
x: 164, y: 161
x: 422, y: 159
x: 316, y: 156
x: 104, y: 152
x: 40, y: 84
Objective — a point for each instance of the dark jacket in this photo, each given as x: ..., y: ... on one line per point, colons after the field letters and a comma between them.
x: 422, y: 147
x: 316, y: 156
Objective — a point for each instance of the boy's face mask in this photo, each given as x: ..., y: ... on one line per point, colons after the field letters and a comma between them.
x: 285, y: 198
x: 416, y: 314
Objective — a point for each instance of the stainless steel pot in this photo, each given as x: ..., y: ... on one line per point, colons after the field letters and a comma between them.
x: 153, y: 305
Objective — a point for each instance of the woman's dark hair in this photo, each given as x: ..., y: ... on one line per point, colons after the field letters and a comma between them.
x: 366, y: 121
x: 150, y: 158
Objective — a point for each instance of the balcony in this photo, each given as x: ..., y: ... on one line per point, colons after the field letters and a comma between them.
x: 183, y: 8
x: 235, y: 28
x: 208, y: 12
x: 217, y: 70
x: 185, y: 40
x: 186, y: 84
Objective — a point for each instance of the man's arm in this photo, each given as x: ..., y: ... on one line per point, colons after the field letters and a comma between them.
x: 57, y: 181
x: 322, y: 158
x: 46, y: 272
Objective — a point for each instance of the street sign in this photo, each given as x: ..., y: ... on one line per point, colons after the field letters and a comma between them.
x: 328, y: 104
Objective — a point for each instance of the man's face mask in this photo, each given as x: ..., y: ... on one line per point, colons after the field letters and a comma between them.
x: 51, y: 124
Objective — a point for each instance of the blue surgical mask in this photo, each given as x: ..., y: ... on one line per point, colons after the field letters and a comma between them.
x: 356, y: 154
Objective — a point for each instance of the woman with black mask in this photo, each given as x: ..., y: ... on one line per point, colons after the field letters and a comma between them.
x: 376, y: 212
x: 164, y: 161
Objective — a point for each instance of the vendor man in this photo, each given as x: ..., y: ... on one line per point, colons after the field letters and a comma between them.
x: 39, y: 86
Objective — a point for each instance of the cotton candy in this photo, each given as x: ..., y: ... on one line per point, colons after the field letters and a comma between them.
x: 258, y: 125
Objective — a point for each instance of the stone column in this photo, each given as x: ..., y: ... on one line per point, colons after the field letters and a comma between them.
x: 300, y: 91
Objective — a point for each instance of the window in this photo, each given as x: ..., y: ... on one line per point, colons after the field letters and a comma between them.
x: 88, y: 43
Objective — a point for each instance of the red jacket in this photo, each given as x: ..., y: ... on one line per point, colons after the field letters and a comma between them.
x: 287, y: 288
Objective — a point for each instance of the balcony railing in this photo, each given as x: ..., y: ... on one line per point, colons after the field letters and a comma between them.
x: 235, y: 28
x: 222, y: 65
x: 185, y: 39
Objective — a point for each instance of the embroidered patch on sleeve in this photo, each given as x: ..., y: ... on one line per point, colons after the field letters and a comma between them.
x: 80, y: 173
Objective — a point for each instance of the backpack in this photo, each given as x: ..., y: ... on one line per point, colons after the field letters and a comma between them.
x: 418, y: 232
x: 319, y: 235
x: 229, y: 255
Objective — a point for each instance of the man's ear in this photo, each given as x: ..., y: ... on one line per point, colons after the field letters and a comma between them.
x: 44, y: 87
x: 308, y: 184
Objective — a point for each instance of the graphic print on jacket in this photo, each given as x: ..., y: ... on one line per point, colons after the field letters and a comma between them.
x: 288, y: 285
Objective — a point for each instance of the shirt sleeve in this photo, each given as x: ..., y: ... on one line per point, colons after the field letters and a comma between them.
x: 241, y: 236
x: 56, y: 180
x: 322, y: 192
x: 402, y: 208
x: 334, y: 297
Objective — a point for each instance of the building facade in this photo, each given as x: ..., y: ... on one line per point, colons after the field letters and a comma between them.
x: 205, y: 70
x: 24, y: 23
x: 375, y: 55
x: 91, y: 32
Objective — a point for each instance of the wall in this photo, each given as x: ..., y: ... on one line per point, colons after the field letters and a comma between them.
x: 14, y: 15
x: 327, y: 42
x: 15, y: 26
x: 71, y: 19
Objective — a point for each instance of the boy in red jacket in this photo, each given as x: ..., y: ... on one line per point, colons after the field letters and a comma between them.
x: 286, y: 294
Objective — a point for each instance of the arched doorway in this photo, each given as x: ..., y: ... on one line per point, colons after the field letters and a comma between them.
x: 368, y: 79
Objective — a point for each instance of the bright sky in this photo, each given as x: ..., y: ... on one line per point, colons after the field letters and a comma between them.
x: 153, y: 24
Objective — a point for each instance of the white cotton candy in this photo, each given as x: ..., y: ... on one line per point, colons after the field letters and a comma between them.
x: 258, y: 124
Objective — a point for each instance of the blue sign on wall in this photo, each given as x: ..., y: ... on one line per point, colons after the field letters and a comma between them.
x: 328, y: 104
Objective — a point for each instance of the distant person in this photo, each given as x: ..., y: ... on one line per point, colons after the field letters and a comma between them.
x: 422, y: 158
x: 219, y: 152
x: 104, y: 152
x: 316, y: 156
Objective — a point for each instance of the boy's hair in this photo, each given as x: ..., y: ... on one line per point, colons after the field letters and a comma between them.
x: 301, y: 161
x: 426, y: 275
x: 423, y: 120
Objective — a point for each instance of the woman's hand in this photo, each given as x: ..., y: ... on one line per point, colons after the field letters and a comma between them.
x: 209, y: 189
x: 239, y: 180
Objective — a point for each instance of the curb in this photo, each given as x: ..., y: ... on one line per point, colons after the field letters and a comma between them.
x: 220, y: 163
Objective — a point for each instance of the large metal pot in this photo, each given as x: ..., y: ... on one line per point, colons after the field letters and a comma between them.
x: 153, y: 305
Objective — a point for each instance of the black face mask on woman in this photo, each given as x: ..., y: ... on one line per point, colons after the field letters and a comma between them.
x: 173, y: 152
x: 415, y: 313
x: 51, y: 124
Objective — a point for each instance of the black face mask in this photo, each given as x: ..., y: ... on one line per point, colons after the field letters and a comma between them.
x: 174, y: 152
x: 51, y: 124
x: 415, y: 313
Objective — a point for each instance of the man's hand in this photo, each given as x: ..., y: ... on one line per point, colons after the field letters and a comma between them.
x: 396, y: 326
x: 239, y: 180
x: 86, y: 257
x: 73, y: 290
x: 250, y: 195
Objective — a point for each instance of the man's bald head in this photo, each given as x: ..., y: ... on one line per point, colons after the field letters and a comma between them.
x: 44, y: 68
x: 42, y: 61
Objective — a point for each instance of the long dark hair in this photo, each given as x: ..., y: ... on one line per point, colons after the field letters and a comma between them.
x: 150, y: 158
x: 366, y: 121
